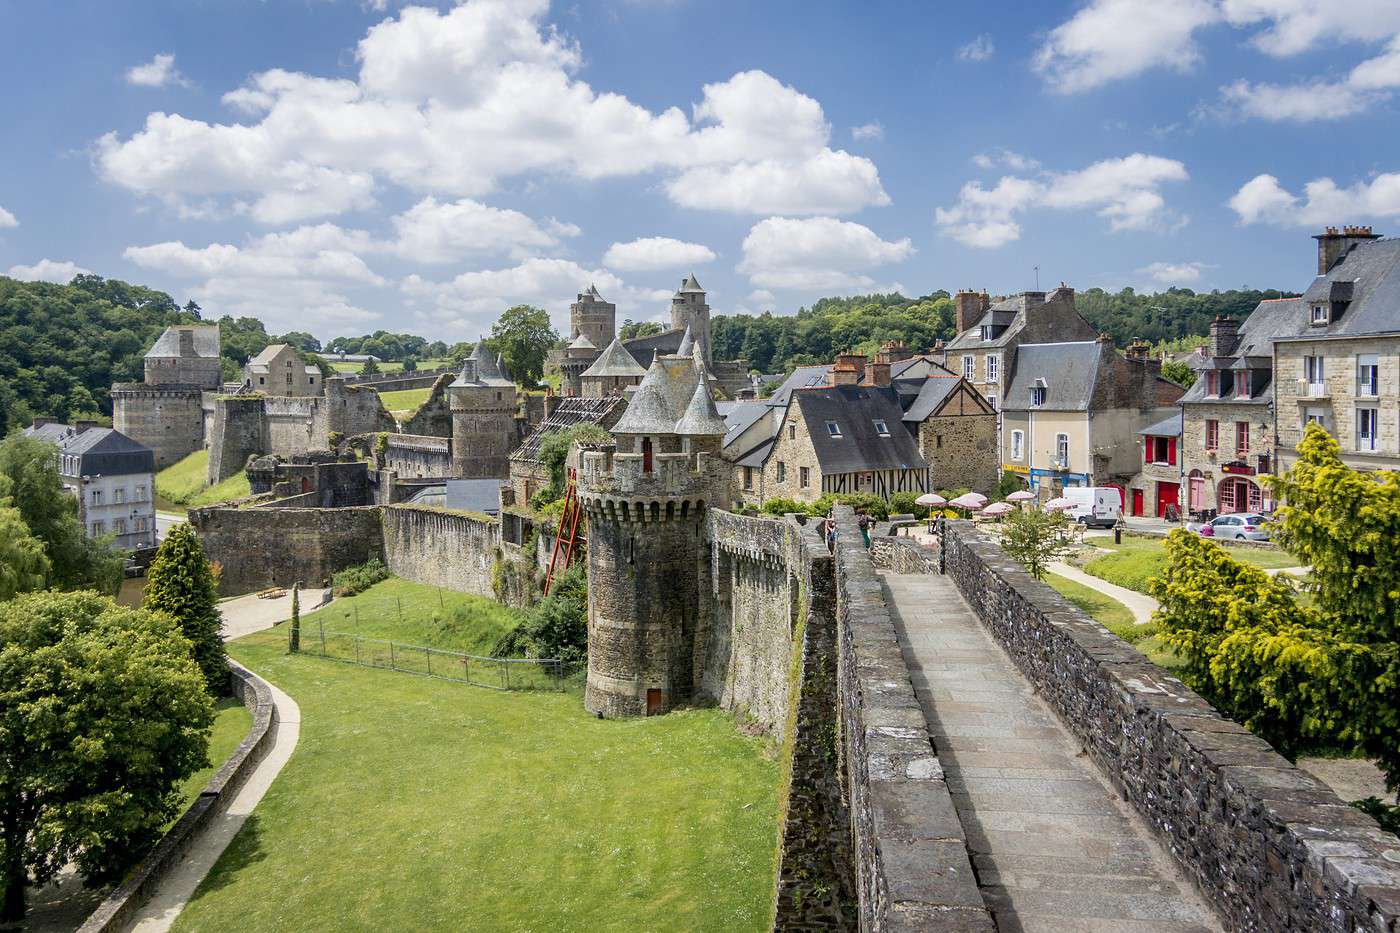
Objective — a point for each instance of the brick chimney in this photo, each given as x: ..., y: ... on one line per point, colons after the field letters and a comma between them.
x: 1137, y: 350
x: 853, y: 362
x: 1333, y: 244
x: 1224, y: 336
x: 844, y: 373
x: 1063, y: 293
x: 80, y: 426
x: 894, y: 352
x: 1105, y: 337
x: 968, y: 308
x: 878, y: 373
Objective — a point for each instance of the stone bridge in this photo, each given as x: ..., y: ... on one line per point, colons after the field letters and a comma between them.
x: 1006, y: 764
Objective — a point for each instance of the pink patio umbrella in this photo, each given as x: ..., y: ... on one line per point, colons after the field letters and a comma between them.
x: 999, y: 508
x: 930, y: 498
x: 1021, y: 495
x: 1059, y: 504
x: 970, y: 501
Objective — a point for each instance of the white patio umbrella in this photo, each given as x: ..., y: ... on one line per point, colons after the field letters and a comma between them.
x: 1021, y: 495
x: 930, y: 498
x: 969, y: 500
x: 999, y: 508
x: 1059, y: 504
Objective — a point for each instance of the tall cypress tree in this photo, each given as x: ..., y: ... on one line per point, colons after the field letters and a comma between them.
x: 181, y: 585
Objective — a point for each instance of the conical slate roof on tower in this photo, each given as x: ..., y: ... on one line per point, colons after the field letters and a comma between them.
x: 690, y: 285
x: 701, y: 418
x: 480, y: 369
x: 661, y: 399
x: 616, y: 361
x: 687, y: 346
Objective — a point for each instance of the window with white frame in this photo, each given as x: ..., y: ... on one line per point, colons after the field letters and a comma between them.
x: 992, y: 401
x: 1018, y: 445
x: 1062, y: 448
x: 140, y: 493
x: 969, y: 367
x: 1367, y: 427
x: 1320, y: 315
x: 833, y: 429
x: 993, y: 366
x: 119, y: 526
x: 1368, y: 375
x: 119, y: 494
x: 1316, y: 416
x: 1314, y: 374
x: 881, y: 428
x: 1037, y: 395
x: 96, y: 497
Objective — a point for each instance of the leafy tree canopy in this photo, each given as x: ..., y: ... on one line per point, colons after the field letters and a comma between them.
x: 524, y: 337
x: 180, y: 584
x: 1036, y: 538
x: 94, y: 782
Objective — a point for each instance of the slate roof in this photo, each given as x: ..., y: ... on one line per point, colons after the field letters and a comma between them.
x: 860, y: 447
x: 1270, y: 320
x: 487, y: 373
x: 1010, y: 311
x: 931, y: 394
x: 100, y: 451
x: 1069, y: 371
x: 1167, y: 427
x: 581, y: 342
x: 687, y: 346
x: 740, y: 417
x: 1371, y: 273
x: 690, y: 285
x: 464, y: 495
x: 662, y: 398
x: 802, y: 377
x: 700, y: 418
x: 758, y: 456
x: 646, y: 349
x: 206, y: 341
x: 615, y: 361
x: 570, y: 411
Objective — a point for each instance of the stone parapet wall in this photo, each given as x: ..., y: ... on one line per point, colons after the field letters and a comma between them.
x: 169, y: 419
x: 902, y: 555
x: 1270, y: 846
x: 912, y: 870
x: 263, y: 547
x: 392, y: 382
x: 453, y: 550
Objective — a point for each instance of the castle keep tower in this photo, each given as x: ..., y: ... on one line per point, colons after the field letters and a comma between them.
x: 482, y: 401
x: 166, y: 411
x: 689, y: 310
x: 648, y: 563
x: 592, y: 317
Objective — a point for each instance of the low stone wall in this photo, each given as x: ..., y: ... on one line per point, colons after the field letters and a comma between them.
x: 263, y: 547
x: 902, y: 555
x: 453, y: 550
x: 1269, y: 845
x: 912, y: 869
x: 117, y: 910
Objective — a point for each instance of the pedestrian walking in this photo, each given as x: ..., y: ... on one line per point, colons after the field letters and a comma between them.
x: 863, y: 521
x: 829, y: 531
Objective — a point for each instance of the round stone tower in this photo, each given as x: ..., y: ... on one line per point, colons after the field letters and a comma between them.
x: 483, y: 405
x: 646, y: 498
x: 689, y: 310
x: 592, y: 317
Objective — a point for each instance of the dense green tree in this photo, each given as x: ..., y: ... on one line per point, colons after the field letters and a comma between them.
x: 180, y: 584
x: 1165, y: 316
x: 1180, y: 373
x: 410, y: 364
x: 631, y: 329
x: 371, y: 368
x: 30, y: 470
x: 102, y: 714
x: 301, y: 340
x: 1036, y: 538
x: 23, y: 564
x: 524, y: 337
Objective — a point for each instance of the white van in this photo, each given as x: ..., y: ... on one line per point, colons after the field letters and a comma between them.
x: 1100, y: 506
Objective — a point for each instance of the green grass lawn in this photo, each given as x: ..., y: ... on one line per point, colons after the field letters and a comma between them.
x: 1103, y: 609
x: 413, y: 804
x: 405, y: 400
x: 387, y: 367
x: 430, y: 617
x: 186, y: 483
x: 231, y: 723
x: 1137, y: 560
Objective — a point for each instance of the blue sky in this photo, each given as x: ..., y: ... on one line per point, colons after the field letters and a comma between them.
x: 344, y: 166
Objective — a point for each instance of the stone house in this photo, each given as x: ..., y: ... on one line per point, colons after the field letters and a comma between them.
x: 484, y: 431
x: 1341, y: 368
x: 956, y: 429
x: 612, y: 372
x: 170, y: 409
x: 984, y: 350
x: 1073, y: 410
x: 111, y: 476
x: 1227, y: 438
x: 1157, y: 488
x: 528, y: 475
x: 280, y: 370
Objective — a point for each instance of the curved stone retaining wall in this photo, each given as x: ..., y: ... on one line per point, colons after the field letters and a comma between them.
x: 901, y: 555
x: 114, y: 913
x: 1270, y: 846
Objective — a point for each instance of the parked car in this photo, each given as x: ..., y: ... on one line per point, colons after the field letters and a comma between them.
x: 1247, y: 526
x: 1100, y: 506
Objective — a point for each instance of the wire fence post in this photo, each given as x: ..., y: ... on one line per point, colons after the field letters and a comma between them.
x: 322, y: 626
x: 356, y: 607
x: 428, y: 656
x: 506, y: 665
x: 399, y: 602
x: 392, y: 665
x: 357, y: 648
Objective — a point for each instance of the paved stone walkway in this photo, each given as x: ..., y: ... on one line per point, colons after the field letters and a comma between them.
x: 1139, y: 604
x: 1054, y: 847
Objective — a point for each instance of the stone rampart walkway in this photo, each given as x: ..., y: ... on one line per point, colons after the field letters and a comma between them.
x: 1053, y: 846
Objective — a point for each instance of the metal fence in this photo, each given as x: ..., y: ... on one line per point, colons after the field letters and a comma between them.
x: 494, y: 673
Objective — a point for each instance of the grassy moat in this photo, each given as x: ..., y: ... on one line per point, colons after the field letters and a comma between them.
x: 416, y: 804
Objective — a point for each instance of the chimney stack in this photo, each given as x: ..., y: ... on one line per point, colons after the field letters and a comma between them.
x: 968, y: 308
x: 878, y: 373
x: 1334, y: 244
x: 844, y: 373
x: 1105, y: 337
x: 1137, y: 350
x: 40, y: 422
x: 894, y: 351
x: 1224, y: 336
x: 186, y: 341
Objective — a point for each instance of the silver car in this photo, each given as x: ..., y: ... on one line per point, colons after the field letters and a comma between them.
x: 1249, y: 526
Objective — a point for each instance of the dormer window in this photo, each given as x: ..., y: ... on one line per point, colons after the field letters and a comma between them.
x: 881, y: 428
x: 1321, y: 314
x: 1037, y: 395
x: 833, y: 429
x: 1242, y: 384
x: 986, y: 332
x: 1213, y: 384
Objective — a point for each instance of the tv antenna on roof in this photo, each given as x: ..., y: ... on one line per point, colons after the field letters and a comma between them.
x: 1037, y: 277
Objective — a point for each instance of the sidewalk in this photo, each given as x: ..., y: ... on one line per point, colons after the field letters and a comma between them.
x: 1140, y: 605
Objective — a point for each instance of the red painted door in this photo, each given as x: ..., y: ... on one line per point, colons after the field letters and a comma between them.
x: 1137, y: 502
x: 1167, y: 494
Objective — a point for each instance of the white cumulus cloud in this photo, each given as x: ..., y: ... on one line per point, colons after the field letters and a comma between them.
x: 7, y: 219
x: 452, y: 103
x: 816, y: 253
x: 434, y: 231
x: 1125, y: 191
x: 871, y: 130
x: 158, y: 72
x: 1264, y: 200
x: 649, y: 254
x: 978, y: 50
x: 1109, y: 40
x: 48, y: 270
x: 1173, y: 273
